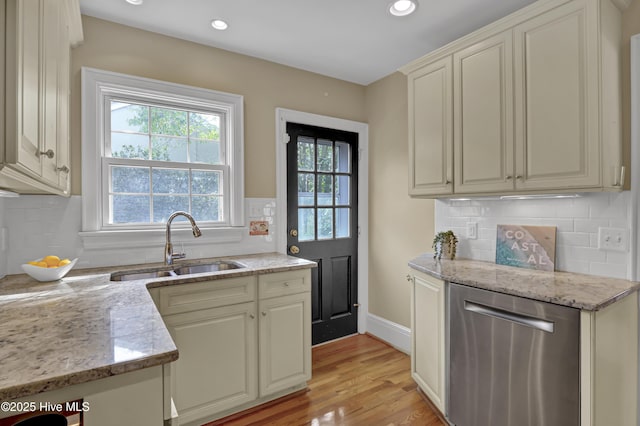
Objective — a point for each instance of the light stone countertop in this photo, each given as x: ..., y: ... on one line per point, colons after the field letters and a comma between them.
x: 587, y: 292
x: 85, y: 327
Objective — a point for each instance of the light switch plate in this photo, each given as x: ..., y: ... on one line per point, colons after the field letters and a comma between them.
x: 613, y: 239
x: 472, y: 230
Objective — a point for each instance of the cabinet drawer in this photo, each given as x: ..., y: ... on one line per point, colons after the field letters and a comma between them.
x: 283, y: 283
x: 208, y: 294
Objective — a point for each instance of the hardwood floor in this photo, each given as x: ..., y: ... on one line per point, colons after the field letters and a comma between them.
x: 356, y: 381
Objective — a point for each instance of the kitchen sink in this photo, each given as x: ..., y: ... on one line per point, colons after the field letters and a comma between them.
x: 177, y: 271
x: 208, y: 267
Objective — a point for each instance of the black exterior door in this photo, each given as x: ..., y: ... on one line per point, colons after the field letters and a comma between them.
x: 322, y: 200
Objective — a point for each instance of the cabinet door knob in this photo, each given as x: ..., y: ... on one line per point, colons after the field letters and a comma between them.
x: 518, y: 177
x: 63, y: 169
x: 48, y: 153
x: 447, y: 182
x: 252, y: 316
x: 408, y: 277
x: 264, y: 314
x: 508, y: 177
x: 286, y: 284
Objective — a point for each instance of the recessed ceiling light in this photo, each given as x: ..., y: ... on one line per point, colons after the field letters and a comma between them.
x: 403, y: 7
x: 219, y: 24
x: 135, y: 2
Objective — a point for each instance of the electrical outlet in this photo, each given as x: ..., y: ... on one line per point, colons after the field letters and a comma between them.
x: 472, y: 230
x: 613, y: 239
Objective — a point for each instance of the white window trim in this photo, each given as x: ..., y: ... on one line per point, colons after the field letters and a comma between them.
x: 96, y: 84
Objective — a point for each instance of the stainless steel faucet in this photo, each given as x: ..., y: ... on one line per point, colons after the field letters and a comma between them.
x: 169, y: 255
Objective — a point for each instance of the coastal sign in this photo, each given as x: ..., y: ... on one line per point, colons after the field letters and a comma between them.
x: 532, y: 247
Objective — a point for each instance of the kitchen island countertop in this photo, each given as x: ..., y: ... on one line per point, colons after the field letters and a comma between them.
x: 587, y: 292
x: 85, y: 327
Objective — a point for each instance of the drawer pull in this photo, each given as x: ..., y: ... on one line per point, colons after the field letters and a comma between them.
x: 286, y: 284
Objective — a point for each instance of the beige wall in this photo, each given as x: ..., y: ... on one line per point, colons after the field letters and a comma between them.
x: 630, y: 26
x: 264, y: 85
x: 400, y: 227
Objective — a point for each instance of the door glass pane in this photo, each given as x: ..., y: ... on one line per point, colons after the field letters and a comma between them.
x: 342, y: 190
x: 325, y: 155
x: 306, y: 184
x: 325, y: 190
x: 325, y: 224
x: 343, y: 157
x: 306, y: 224
x: 343, y: 227
x: 306, y: 154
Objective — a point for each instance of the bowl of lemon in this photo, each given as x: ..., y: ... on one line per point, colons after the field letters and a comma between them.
x: 49, y: 268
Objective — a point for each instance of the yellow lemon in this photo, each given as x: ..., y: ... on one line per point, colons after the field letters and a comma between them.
x: 33, y: 262
x: 51, y: 260
x: 42, y: 264
x: 64, y: 262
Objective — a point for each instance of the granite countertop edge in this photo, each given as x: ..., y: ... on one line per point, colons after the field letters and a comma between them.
x: 581, y: 291
x: 26, y: 337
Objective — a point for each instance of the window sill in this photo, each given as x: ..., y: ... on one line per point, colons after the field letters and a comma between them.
x: 154, y: 238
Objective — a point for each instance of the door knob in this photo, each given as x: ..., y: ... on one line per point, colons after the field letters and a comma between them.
x: 293, y: 232
x: 294, y: 249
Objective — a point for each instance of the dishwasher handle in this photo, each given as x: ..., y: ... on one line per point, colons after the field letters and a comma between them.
x: 509, y: 316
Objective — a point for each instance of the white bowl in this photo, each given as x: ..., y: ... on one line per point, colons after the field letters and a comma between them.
x: 48, y: 274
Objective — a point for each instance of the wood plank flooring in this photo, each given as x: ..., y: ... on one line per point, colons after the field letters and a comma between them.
x: 356, y: 381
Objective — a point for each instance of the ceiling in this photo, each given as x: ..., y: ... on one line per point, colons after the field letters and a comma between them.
x: 352, y: 40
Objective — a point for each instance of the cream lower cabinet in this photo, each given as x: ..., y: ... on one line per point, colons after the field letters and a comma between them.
x: 285, y: 340
x: 241, y: 341
x: 609, y: 364
x: 428, y: 352
x: 217, y: 367
x: 536, y: 105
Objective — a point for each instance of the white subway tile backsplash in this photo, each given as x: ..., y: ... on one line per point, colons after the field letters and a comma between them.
x: 41, y: 224
x: 577, y: 221
x: 577, y: 239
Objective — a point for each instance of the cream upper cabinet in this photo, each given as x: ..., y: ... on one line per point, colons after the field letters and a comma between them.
x: 556, y: 94
x: 536, y: 101
x: 34, y: 152
x: 431, y: 129
x: 428, y: 351
x: 483, y: 116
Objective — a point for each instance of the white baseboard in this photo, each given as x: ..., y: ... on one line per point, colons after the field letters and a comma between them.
x: 396, y: 335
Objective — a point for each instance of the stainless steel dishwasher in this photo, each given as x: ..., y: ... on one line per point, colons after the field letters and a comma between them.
x: 512, y: 361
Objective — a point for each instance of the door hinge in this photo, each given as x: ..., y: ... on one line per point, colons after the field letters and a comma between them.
x: 286, y: 138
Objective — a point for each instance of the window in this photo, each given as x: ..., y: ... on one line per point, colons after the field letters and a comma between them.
x: 151, y: 148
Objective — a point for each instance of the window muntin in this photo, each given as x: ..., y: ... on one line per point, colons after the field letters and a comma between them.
x: 160, y: 159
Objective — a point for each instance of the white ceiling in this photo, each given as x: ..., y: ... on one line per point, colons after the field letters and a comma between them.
x: 353, y: 40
